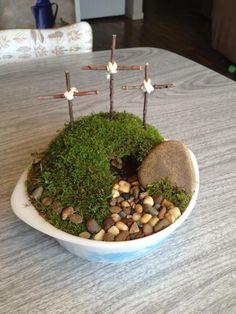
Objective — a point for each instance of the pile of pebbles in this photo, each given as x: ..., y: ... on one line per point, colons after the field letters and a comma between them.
x: 133, y: 213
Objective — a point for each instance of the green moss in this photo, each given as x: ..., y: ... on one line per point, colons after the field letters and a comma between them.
x: 178, y: 196
x: 76, y: 171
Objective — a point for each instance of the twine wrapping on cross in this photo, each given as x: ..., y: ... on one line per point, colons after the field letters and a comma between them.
x: 69, y: 95
x: 111, y: 69
x: 147, y: 87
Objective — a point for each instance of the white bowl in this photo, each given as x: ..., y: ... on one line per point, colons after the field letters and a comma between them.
x: 96, y: 251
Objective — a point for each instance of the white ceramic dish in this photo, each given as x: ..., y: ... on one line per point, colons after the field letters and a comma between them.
x: 96, y: 251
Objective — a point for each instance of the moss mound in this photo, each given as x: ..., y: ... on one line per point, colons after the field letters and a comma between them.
x: 76, y: 170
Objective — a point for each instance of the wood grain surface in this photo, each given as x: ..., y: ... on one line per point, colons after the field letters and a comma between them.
x: 195, y: 270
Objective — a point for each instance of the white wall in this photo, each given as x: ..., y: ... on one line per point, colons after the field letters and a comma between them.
x: 101, y: 8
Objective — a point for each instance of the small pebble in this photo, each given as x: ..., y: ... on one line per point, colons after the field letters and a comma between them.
x: 136, y: 217
x: 139, y: 235
x: 115, y: 193
x: 76, y: 219
x: 99, y: 236
x: 128, y: 221
x: 57, y: 207
x: 115, y: 209
x: 145, y: 218
x: 157, y: 206
x: 47, y: 201
x: 120, y: 199
x: 161, y: 225
x: 116, y: 217
x: 66, y: 212
x: 131, y: 199
x: 139, y: 208
x: 124, y: 186
x: 108, y: 223
x: 121, y: 226
x: 150, y: 210
x: 134, y: 228
x: 135, y: 192
x: 125, y: 204
x: 85, y: 235
x: 175, y: 212
x: 148, y: 200
x: 158, y: 199
x: 147, y: 229
x: 139, y: 223
x: 114, y: 230
x: 167, y: 204
x: 127, y: 210
x: 113, y: 202
x: 93, y: 226
x: 132, y: 204
x: 116, y: 186
x: 162, y: 213
x: 170, y: 218
x: 122, y: 214
x: 142, y: 188
x: 125, y: 196
x: 108, y: 237
x: 37, y: 193
x: 153, y: 221
x: 143, y: 195
x: 122, y: 236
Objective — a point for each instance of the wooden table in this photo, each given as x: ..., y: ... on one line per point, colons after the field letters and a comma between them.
x: 194, y: 272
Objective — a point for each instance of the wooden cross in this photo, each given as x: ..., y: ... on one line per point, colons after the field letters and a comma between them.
x: 146, y: 92
x: 65, y: 95
x: 111, y: 67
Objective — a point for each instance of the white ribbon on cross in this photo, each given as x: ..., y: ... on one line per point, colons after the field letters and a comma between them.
x: 69, y: 95
x: 147, y: 86
x: 111, y: 69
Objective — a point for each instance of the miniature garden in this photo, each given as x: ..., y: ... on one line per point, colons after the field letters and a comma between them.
x: 110, y: 176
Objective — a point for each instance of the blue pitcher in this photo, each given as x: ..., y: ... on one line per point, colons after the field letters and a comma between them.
x: 43, y: 13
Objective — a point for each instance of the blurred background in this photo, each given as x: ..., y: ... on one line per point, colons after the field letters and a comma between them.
x: 201, y: 30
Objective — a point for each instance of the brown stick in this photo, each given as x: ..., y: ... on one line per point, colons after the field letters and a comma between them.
x: 161, y: 86
x: 70, y: 103
x: 76, y: 94
x: 111, y: 95
x: 145, y: 97
x: 120, y: 67
x: 113, y: 47
x: 156, y: 86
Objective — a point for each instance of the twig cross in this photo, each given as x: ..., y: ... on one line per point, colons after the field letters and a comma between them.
x: 111, y: 69
x: 147, y: 88
x: 69, y: 94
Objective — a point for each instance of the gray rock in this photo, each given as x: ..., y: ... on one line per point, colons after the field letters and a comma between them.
x: 93, y: 226
x: 170, y: 159
x: 150, y: 210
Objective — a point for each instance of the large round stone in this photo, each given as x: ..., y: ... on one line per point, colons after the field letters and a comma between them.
x: 170, y: 159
